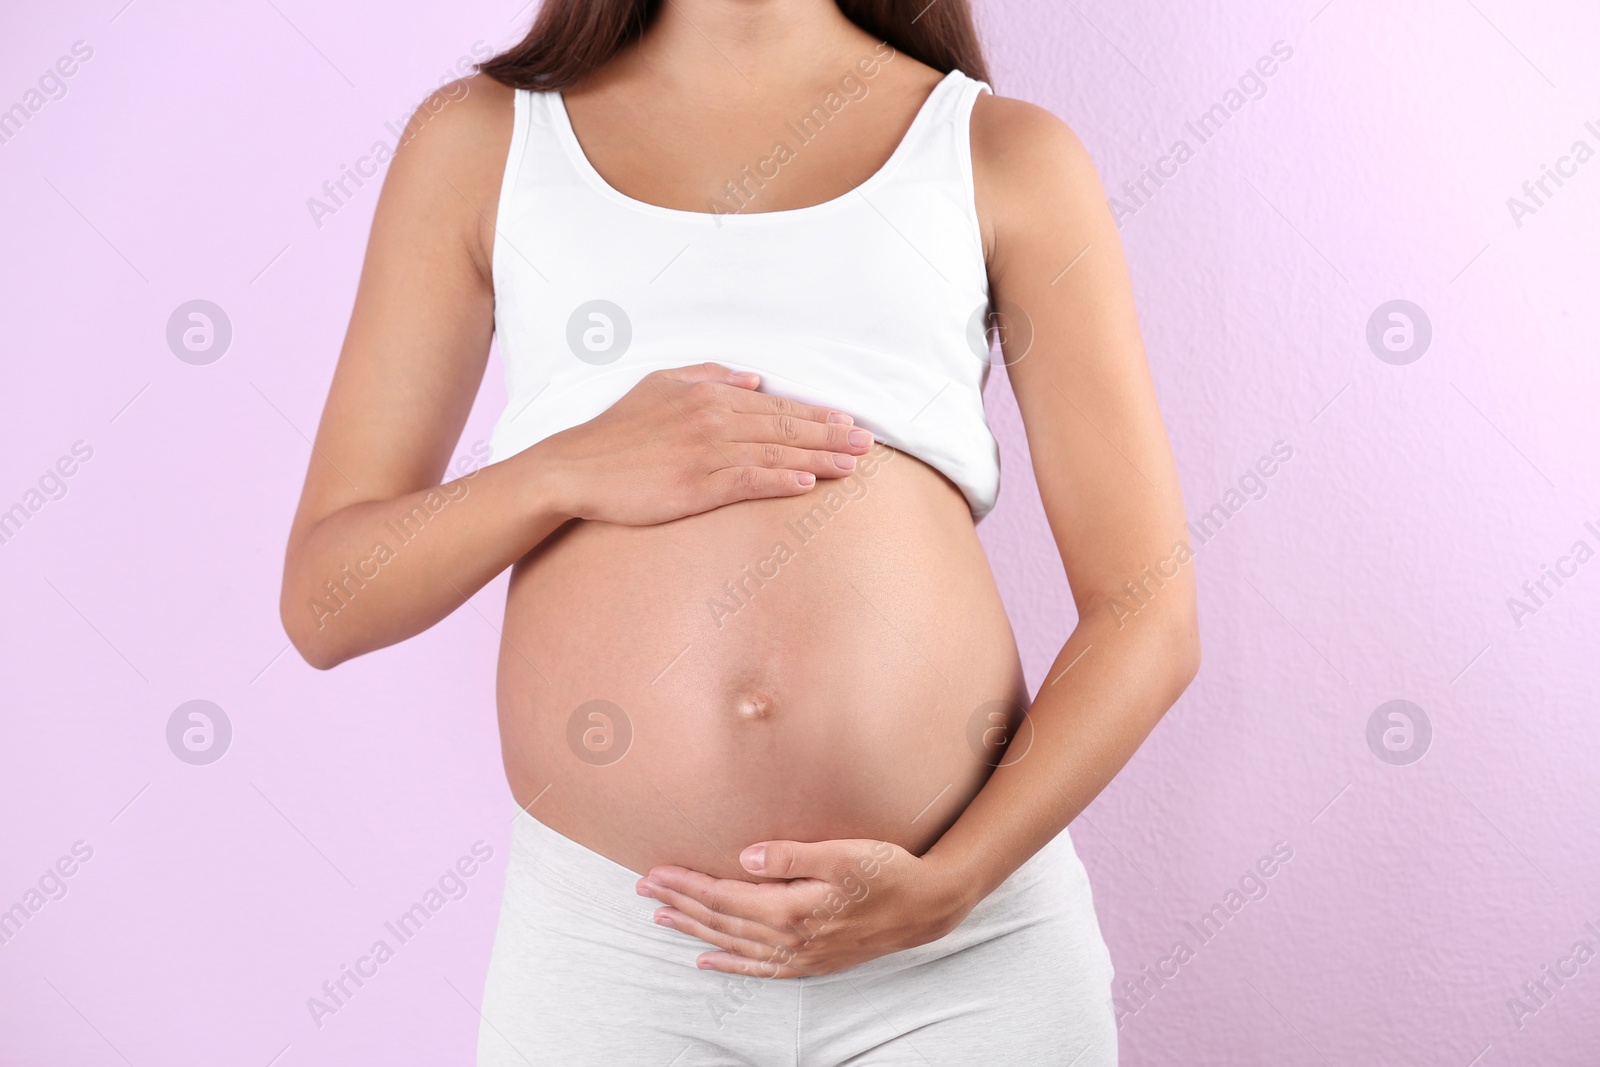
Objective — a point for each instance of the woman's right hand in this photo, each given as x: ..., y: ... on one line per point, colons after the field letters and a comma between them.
x: 692, y: 439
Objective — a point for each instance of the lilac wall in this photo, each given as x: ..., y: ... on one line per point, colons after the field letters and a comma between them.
x: 1374, y: 565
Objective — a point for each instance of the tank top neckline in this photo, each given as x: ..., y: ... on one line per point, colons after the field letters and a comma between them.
x: 562, y: 122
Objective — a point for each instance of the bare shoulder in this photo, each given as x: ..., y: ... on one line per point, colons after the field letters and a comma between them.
x: 449, y: 162
x: 1023, y: 140
x: 1029, y: 167
x: 460, y: 127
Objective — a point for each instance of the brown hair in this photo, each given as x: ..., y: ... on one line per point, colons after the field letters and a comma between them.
x: 570, y: 39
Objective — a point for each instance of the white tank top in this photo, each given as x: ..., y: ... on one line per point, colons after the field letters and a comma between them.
x: 873, y: 303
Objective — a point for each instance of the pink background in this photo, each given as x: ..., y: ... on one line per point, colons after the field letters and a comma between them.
x: 1419, y: 498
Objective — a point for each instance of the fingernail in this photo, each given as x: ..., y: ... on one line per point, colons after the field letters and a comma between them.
x: 754, y: 858
x: 662, y: 920
x: 807, y: 479
x: 645, y: 889
x: 839, y: 416
x: 844, y: 462
x: 860, y: 438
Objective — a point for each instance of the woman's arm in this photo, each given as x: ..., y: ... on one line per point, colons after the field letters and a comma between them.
x: 1110, y: 491
x: 1109, y: 487
x: 412, y: 361
x: 379, y: 549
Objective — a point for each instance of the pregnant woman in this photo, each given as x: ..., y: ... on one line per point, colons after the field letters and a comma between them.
x: 786, y: 799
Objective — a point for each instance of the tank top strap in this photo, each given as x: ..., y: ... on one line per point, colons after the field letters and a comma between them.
x: 939, y: 151
x: 941, y: 127
x: 540, y: 136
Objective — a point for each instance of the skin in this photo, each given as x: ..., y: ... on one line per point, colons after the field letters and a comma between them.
x: 772, y: 875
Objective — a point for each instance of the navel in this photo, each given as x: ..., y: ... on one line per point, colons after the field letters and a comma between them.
x: 754, y: 706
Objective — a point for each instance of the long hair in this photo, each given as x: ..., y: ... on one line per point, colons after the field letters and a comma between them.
x: 571, y: 38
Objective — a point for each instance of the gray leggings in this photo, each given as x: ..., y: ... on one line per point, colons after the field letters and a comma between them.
x: 581, y: 976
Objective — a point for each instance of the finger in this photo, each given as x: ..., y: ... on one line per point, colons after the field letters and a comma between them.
x: 827, y: 860
x: 755, y: 950
x: 731, y: 484
x: 764, y: 926
x: 712, y: 372
x: 733, y: 963
x: 752, y: 403
x: 730, y: 896
x: 757, y: 428
x: 782, y: 457
x: 772, y: 904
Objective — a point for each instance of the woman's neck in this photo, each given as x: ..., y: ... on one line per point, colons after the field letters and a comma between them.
x: 743, y: 44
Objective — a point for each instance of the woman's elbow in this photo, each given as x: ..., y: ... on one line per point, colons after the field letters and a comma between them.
x: 1183, y: 649
x: 309, y: 635
x: 322, y: 659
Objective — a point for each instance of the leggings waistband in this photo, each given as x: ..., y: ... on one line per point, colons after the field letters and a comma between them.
x: 553, y: 881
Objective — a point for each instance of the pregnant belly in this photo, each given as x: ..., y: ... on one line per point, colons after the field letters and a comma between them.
x: 810, y: 668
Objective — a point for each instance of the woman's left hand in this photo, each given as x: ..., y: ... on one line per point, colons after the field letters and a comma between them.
x: 843, y: 903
